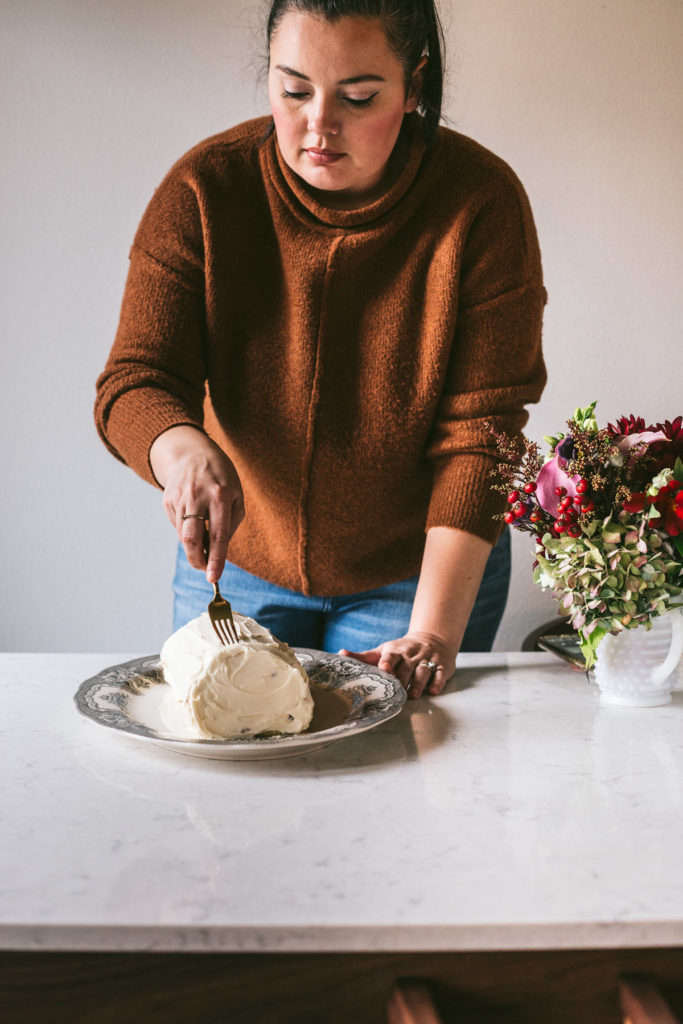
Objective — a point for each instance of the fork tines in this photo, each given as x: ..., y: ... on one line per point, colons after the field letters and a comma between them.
x: 226, y: 630
x: 222, y: 621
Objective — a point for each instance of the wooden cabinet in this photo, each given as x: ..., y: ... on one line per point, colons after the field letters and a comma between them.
x: 552, y: 987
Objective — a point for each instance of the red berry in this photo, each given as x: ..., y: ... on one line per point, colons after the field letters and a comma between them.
x: 536, y: 517
x: 578, y: 499
x: 566, y: 503
x: 509, y: 517
x: 587, y: 506
x: 582, y: 486
x: 559, y: 526
x: 513, y: 496
x: 531, y: 487
x: 519, y: 509
x: 574, y: 530
x: 560, y: 491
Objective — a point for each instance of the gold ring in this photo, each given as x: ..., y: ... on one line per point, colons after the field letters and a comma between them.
x: 195, y: 515
x: 430, y: 665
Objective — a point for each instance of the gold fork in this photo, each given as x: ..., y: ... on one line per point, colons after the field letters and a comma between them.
x: 222, y: 621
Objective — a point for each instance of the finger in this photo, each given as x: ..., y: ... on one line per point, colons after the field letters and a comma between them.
x: 421, y: 677
x: 220, y: 531
x: 389, y: 660
x: 427, y: 680
x: 216, y: 560
x: 193, y: 538
x: 398, y: 665
x: 441, y: 677
x: 369, y: 657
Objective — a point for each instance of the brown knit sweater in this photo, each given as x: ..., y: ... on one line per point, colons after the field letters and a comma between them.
x: 346, y: 361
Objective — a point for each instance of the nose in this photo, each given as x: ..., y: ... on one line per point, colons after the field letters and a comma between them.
x: 322, y: 116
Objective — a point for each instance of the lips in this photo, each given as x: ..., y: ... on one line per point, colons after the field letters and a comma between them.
x: 324, y: 156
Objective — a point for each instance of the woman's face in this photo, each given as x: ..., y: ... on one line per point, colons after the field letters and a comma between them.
x: 338, y: 96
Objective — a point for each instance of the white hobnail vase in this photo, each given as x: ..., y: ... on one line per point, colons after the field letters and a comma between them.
x: 638, y: 668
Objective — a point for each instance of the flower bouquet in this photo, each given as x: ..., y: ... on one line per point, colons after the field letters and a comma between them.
x: 606, y: 508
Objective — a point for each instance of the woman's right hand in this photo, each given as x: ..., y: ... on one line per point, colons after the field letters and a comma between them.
x: 198, y: 479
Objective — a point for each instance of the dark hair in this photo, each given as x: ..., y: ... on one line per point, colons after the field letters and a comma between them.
x: 413, y: 31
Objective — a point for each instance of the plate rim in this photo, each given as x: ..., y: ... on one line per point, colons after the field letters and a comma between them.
x: 397, y: 694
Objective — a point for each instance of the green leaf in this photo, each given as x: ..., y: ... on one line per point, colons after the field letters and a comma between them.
x: 678, y: 541
x: 595, y: 555
x: 678, y: 469
x: 589, y: 644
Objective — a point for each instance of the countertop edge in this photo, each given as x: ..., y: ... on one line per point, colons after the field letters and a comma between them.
x: 346, y: 939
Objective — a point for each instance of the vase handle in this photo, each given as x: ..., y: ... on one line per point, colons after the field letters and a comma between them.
x: 663, y: 671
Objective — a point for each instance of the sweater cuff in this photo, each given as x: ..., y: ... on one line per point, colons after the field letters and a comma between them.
x: 135, y: 421
x: 463, y: 498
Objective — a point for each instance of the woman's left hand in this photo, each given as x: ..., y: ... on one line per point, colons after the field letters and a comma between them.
x: 408, y: 659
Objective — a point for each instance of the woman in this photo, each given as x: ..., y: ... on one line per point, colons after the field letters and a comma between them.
x: 324, y: 309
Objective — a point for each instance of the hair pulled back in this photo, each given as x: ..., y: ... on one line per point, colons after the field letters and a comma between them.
x: 413, y: 31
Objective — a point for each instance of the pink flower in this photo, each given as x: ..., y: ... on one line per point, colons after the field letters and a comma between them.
x: 551, y: 476
x: 645, y: 437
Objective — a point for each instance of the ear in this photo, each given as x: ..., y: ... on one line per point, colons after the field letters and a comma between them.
x: 415, y: 88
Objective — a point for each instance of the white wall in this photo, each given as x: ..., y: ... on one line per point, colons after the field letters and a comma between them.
x: 99, y: 98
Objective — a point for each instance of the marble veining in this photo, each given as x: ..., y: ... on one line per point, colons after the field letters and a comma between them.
x: 515, y: 811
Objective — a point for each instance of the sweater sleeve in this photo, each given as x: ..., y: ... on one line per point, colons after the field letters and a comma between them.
x: 155, y: 375
x: 496, y: 365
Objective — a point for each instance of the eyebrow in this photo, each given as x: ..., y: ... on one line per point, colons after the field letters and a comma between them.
x: 342, y: 81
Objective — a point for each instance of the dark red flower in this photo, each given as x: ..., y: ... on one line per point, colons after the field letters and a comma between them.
x: 636, y: 503
x: 666, y: 452
x: 672, y: 429
x: 632, y: 425
x: 673, y: 520
x: 669, y: 504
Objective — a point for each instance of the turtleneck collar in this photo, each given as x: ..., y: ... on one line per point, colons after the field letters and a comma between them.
x: 293, y: 191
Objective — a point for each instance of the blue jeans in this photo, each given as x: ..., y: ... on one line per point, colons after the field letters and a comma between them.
x: 357, y: 622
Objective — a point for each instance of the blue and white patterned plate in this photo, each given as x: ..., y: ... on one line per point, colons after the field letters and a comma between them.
x: 349, y: 698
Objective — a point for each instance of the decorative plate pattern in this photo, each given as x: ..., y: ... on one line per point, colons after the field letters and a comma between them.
x: 349, y: 698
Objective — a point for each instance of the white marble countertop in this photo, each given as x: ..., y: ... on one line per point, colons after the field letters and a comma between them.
x: 513, y: 812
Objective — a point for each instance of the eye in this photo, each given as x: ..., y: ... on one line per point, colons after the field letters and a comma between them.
x: 294, y: 95
x: 360, y: 103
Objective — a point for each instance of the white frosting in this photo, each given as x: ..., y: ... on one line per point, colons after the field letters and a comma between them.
x: 224, y: 691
